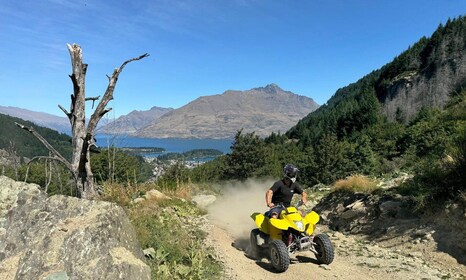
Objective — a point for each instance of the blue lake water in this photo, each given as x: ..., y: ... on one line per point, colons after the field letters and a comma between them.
x: 172, y: 145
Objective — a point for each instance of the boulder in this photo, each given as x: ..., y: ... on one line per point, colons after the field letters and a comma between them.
x: 354, y: 210
x: 390, y: 208
x: 155, y: 194
x: 204, y: 200
x: 62, y: 237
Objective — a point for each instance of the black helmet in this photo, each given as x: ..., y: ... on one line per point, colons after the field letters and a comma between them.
x: 290, y: 171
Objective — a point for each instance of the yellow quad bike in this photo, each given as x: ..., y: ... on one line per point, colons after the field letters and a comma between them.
x: 279, y: 238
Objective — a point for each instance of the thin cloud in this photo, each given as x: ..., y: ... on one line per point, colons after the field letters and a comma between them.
x: 70, y: 4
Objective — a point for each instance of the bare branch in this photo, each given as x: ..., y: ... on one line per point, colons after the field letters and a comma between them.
x: 57, y: 155
x: 41, y: 157
x: 69, y: 115
x: 105, y: 112
x: 92, y: 98
x: 51, y: 158
x: 100, y: 110
x: 132, y: 59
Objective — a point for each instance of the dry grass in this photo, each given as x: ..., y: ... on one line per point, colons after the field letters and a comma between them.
x: 357, y: 183
x: 181, y: 191
x: 124, y: 194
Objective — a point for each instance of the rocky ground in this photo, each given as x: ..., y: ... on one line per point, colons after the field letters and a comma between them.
x: 355, y: 258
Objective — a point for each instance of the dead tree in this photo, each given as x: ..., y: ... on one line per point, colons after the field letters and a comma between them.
x: 82, y: 136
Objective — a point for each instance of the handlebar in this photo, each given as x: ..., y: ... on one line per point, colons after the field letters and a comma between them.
x: 298, y: 204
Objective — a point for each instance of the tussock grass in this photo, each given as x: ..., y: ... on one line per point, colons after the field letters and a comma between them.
x: 357, y: 183
x: 182, y: 190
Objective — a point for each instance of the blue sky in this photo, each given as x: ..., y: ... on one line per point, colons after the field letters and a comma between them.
x: 202, y: 47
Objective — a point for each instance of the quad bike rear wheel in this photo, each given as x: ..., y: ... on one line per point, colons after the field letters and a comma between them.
x: 279, y: 256
x: 324, y: 249
x: 255, y: 252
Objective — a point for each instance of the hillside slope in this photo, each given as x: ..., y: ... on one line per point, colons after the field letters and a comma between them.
x: 60, y: 124
x: 24, y: 144
x: 424, y: 76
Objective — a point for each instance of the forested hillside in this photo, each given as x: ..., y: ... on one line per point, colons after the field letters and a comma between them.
x: 424, y: 76
x: 13, y: 138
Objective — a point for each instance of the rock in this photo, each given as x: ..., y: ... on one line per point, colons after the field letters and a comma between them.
x: 351, y: 214
x: 139, y: 200
x: 324, y: 266
x: 354, y: 210
x: 204, y: 200
x: 395, y: 182
x: 62, y: 237
x: 60, y: 275
x: 358, y: 204
x: 149, y: 253
x: 324, y: 217
x: 415, y: 255
x: 155, y: 194
x: 423, y: 233
x: 390, y: 207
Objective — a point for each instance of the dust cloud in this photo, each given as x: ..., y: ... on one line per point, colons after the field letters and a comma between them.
x: 232, y: 210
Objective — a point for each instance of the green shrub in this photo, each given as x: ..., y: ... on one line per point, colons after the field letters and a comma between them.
x: 180, y: 253
x: 167, y: 226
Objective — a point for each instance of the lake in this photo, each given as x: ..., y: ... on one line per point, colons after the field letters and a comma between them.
x: 171, y: 145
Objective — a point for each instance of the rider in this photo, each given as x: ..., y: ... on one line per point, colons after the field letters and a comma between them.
x: 281, y: 193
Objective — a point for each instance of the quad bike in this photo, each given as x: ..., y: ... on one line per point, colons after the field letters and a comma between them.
x: 279, y: 238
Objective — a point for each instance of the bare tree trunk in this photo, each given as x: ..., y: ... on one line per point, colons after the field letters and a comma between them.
x: 48, y: 174
x: 58, y: 174
x: 82, y: 136
x: 112, y: 161
x: 27, y: 174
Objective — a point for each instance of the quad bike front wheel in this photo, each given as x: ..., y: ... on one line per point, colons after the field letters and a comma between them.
x: 324, y: 249
x: 279, y: 256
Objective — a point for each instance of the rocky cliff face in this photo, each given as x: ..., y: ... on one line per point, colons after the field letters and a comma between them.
x: 63, y: 237
x: 440, y: 71
x: 263, y: 110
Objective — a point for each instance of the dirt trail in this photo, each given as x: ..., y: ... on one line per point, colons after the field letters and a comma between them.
x: 240, y: 266
x: 355, y: 258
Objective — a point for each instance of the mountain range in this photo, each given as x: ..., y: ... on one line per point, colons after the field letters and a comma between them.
x: 262, y: 110
x: 132, y: 122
